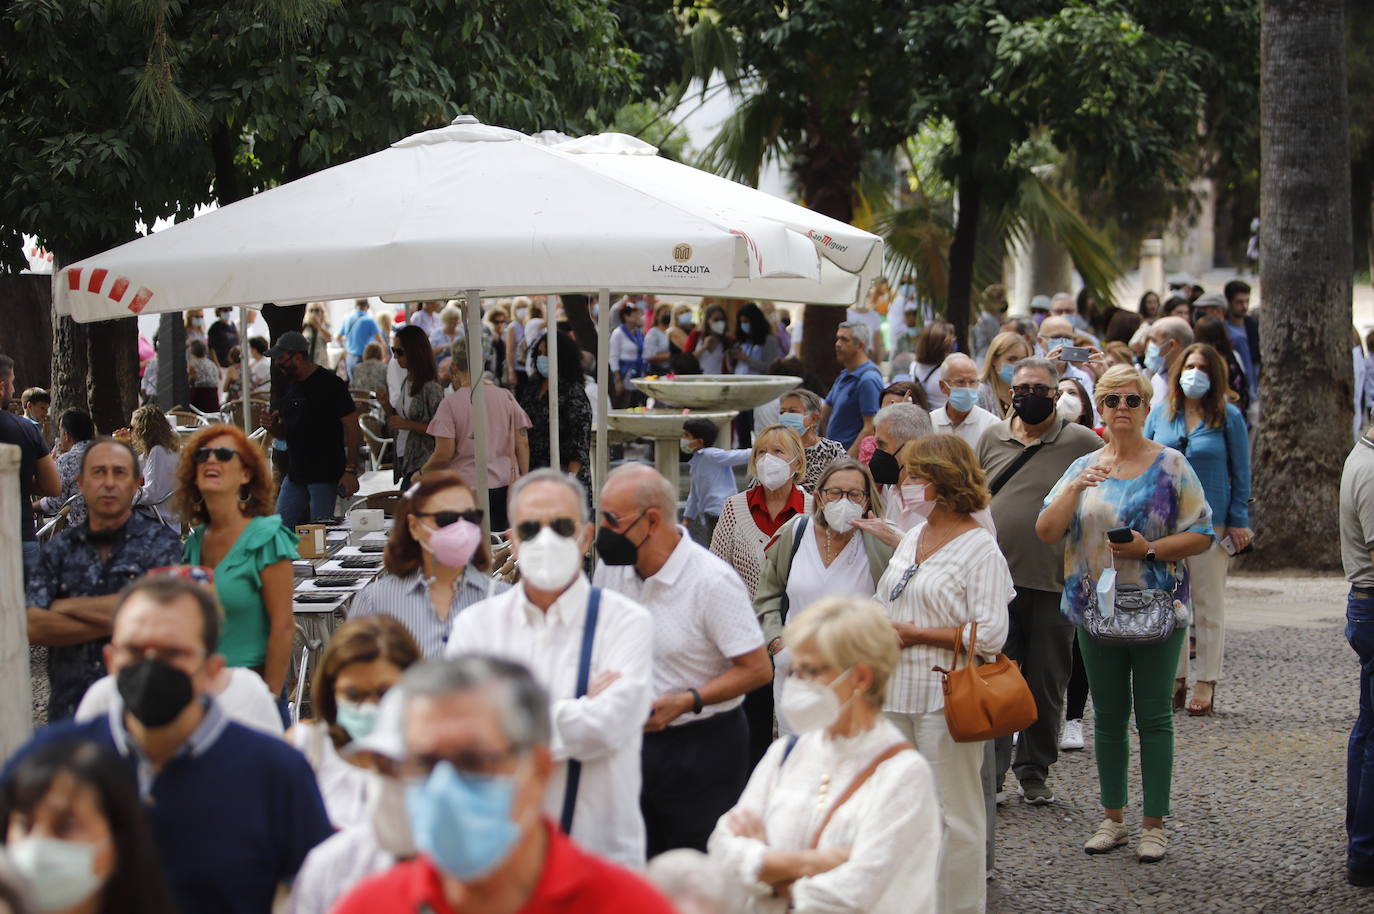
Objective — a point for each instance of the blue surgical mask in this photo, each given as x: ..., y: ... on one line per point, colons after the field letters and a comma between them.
x: 684, y: 320
x: 1007, y: 372
x: 541, y: 365
x: 1154, y: 359
x: 357, y: 718
x: 463, y: 821
x: 1195, y: 383
x: 745, y: 326
x: 1054, y: 341
x: 963, y: 399
x: 795, y: 421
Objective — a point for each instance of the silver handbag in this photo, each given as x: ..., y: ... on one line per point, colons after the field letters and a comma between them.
x: 1142, y: 617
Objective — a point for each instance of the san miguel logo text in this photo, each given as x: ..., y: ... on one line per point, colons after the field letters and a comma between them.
x: 826, y: 241
x: 681, y: 254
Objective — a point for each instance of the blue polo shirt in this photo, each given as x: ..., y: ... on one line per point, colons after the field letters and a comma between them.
x: 233, y: 813
x: 713, y: 479
x: 359, y: 330
x: 853, y: 398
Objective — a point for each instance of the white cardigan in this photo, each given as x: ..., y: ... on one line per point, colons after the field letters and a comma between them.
x: 740, y: 542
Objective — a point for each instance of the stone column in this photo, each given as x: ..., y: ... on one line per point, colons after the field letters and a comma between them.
x: 1152, y: 267
x: 16, y: 712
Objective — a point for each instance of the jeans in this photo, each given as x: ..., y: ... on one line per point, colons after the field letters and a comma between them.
x: 299, y: 502
x: 1041, y: 641
x: 1359, y: 784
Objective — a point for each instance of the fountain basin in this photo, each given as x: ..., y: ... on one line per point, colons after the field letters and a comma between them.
x: 717, y: 391
x: 661, y: 424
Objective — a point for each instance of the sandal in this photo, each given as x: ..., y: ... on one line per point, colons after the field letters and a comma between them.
x: 1180, y: 693
x: 1199, y: 708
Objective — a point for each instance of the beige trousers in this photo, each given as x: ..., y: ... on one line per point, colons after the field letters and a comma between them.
x: 958, y: 779
x: 1207, y: 579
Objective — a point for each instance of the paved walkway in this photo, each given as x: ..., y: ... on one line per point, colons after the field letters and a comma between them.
x: 1259, y: 788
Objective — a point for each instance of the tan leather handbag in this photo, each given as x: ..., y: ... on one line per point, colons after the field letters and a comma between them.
x: 985, y: 701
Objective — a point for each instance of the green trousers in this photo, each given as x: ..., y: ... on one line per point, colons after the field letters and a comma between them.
x: 1116, y: 675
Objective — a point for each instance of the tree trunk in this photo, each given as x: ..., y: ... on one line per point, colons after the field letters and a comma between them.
x: 827, y: 173
x: 113, y: 362
x: 70, y: 366
x: 26, y: 303
x: 1305, y: 227
x: 962, y: 250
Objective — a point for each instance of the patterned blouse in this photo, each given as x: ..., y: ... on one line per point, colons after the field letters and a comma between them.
x: 574, y: 426
x: 818, y: 457
x: 68, y: 469
x: 1165, y: 499
x: 204, y: 372
x: 420, y: 446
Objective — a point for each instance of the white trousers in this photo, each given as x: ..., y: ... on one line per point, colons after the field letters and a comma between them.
x: 958, y: 778
x: 1207, y: 579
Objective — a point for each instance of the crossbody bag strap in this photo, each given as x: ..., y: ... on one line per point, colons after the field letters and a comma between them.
x: 855, y: 784
x: 584, y: 672
x: 1005, y: 476
x: 798, y: 531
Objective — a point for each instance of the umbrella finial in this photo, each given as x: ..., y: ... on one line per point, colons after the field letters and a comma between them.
x: 464, y: 119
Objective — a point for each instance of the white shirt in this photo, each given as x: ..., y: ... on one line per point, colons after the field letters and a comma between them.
x: 767, y: 414
x: 966, y: 580
x: 656, y: 343
x: 426, y: 321
x: 1081, y: 376
x: 702, y: 617
x: 398, y: 391
x: 623, y: 348
x: 334, y: 867
x: 159, y: 479
x: 245, y: 700
x: 260, y: 371
x: 603, y: 732
x: 928, y: 376
x: 1159, y: 389
x: 874, y: 321
x: 343, y: 785
x: 891, y: 825
x: 971, y: 429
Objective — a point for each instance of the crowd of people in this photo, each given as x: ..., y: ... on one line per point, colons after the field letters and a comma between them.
x: 733, y: 704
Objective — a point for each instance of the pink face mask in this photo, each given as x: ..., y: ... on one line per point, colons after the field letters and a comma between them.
x: 453, y: 546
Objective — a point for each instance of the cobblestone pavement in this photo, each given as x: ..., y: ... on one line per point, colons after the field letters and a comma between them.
x: 1259, y: 788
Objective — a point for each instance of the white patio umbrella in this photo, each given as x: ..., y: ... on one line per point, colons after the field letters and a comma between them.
x: 469, y: 208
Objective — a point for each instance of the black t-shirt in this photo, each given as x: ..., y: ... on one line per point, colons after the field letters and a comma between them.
x: 221, y: 338
x: 32, y: 448
x: 310, y: 411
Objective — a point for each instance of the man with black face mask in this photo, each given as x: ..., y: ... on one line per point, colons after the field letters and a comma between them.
x: 1024, y: 456
x: 233, y: 811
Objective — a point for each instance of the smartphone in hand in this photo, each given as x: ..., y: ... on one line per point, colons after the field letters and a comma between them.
x: 1120, y: 535
x: 1075, y: 354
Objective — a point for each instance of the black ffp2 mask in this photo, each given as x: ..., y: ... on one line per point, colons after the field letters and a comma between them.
x: 1031, y: 408
x: 154, y: 692
x: 884, y: 467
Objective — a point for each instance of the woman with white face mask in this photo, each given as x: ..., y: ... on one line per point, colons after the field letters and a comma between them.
x: 819, y: 555
x: 362, y: 662
x: 74, y: 828
x: 710, y: 341
x: 845, y: 816
x: 1200, y: 419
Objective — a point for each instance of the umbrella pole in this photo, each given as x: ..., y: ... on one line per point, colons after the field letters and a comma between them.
x: 245, y: 373
x: 603, y: 395
x: 477, y: 383
x: 551, y: 344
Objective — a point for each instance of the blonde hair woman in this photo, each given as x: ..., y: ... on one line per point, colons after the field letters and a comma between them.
x: 844, y: 816
x: 317, y: 333
x: 946, y: 575
x: 999, y: 367
x: 158, y: 446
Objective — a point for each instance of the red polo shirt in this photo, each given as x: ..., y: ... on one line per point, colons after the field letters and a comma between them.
x: 573, y: 882
x: 768, y: 524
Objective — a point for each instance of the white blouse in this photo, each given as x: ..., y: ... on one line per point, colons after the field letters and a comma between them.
x: 342, y: 785
x: 891, y: 825
x: 966, y: 580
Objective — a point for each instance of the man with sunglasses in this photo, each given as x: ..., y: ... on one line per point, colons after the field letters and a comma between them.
x: 480, y: 762
x: 592, y: 650
x: 73, y: 586
x: 708, y: 652
x: 233, y: 812
x: 1023, y: 457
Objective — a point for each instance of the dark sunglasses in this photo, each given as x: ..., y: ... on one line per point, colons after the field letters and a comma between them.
x: 529, y: 529
x: 1112, y: 401
x: 397, y: 350
x: 222, y: 454
x: 445, y: 518
x: 1040, y: 390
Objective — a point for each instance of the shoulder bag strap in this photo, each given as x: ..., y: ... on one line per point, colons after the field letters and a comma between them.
x: 798, y: 531
x: 1005, y: 476
x: 584, y: 672
x: 855, y: 784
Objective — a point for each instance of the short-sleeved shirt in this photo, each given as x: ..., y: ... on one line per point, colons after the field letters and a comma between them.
x: 359, y: 330
x: 238, y: 582
x: 505, y: 418
x: 1165, y: 499
x: 1357, y: 514
x: 221, y: 337
x: 70, y: 566
x: 312, y: 412
x: 32, y: 448
x: 854, y: 397
x: 1016, y: 507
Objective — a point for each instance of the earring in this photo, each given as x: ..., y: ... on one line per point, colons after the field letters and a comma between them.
x: 244, y: 496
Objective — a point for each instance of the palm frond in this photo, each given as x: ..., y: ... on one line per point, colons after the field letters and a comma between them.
x: 751, y: 136
x: 916, y: 239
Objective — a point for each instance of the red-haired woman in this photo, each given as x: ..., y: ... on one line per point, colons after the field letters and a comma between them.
x: 436, y: 561
x: 224, y: 491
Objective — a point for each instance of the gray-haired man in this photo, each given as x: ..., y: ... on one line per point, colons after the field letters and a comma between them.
x: 854, y: 397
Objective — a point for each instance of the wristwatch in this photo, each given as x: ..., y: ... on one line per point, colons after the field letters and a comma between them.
x: 1150, y: 553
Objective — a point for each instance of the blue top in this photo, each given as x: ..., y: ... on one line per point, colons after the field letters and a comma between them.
x: 359, y: 330
x: 69, y: 565
x: 853, y: 398
x: 1240, y: 342
x: 1163, y: 500
x: 232, y: 814
x: 712, y: 479
x: 1220, y: 457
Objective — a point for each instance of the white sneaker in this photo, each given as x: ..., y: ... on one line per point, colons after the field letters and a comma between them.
x: 1073, y: 735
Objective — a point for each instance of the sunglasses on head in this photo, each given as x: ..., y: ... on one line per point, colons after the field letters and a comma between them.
x: 1112, y: 401
x: 529, y: 529
x: 222, y: 454
x: 445, y: 518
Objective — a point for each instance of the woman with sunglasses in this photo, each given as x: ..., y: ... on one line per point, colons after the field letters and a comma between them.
x: 946, y: 576
x: 1200, y: 418
x: 437, y: 564
x: 224, y: 492
x: 421, y: 395
x: 1150, y: 489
